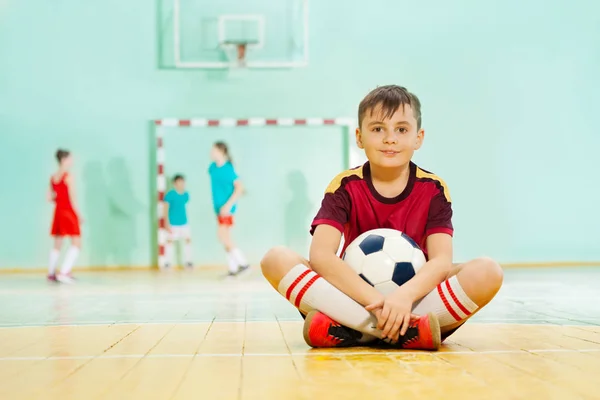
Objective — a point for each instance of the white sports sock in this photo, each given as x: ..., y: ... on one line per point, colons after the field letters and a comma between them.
x: 187, y: 253
x: 169, y: 253
x: 448, y: 301
x: 307, y: 291
x: 232, y: 263
x: 70, y: 258
x: 54, y: 255
x: 239, y: 257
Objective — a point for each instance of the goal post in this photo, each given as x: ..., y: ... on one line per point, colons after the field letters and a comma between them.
x: 347, y: 126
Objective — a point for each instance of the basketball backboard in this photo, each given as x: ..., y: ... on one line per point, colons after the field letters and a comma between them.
x: 209, y: 34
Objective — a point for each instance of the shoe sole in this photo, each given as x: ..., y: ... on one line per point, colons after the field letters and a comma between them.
x: 306, y: 329
x: 436, y: 332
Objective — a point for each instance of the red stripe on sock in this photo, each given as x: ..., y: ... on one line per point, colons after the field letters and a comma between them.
x: 448, y: 306
x: 462, y: 308
x: 304, y: 289
x: 296, y: 282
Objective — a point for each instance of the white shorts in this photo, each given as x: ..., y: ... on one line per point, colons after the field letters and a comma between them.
x: 179, y: 232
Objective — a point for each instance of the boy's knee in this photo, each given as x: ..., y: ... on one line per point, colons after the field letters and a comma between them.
x: 487, y: 272
x: 278, y: 261
x: 273, y: 259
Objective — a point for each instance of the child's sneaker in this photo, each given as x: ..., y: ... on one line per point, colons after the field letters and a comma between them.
x: 422, y: 334
x: 242, y: 269
x: 322, y: 331
x: 51, y: 278
x: 66, y: 278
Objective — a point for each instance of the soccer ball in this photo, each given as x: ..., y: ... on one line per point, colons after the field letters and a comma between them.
x: 384, y: 258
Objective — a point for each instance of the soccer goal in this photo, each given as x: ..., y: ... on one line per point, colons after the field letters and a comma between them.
x: 167, y: 127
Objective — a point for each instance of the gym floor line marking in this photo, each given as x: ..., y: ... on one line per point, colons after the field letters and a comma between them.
x: 313, y: 354
x: 586, y: 322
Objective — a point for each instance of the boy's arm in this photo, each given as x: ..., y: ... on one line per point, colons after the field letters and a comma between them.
x: 434, y: 271
x: 238, y: 190
x: 166, y: 216
x: 439, y: 248
x: 396, y: 310
x: 324, y: 261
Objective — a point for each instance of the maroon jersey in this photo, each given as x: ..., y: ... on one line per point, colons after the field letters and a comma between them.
x: 352, y: 205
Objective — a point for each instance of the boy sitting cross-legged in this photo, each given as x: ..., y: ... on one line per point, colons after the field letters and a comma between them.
x: 388, y: 191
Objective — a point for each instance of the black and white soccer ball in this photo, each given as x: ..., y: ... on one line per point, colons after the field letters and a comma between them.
x: 384, y: 258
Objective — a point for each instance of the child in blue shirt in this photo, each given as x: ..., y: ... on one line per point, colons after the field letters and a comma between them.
x: 226, y: 190
x: 176, y: 221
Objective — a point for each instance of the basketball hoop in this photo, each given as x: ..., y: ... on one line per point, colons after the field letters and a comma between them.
x: 236, y: 51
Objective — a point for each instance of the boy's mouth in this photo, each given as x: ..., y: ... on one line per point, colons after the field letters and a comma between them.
x: 389, y: 153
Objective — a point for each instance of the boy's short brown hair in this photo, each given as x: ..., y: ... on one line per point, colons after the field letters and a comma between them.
x: 390, y: 98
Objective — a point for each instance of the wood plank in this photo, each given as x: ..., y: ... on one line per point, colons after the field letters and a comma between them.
x: 224, y: 338
x: 269, y: 377
x: 141, y: 340
x: 264, y: 338
x: 216, y: 378
x: 552, y: 372
x: 35, y: 380
x: 182, y: 339
x: 77, y: 341
x: 90, y: 381
x: 150, y: 379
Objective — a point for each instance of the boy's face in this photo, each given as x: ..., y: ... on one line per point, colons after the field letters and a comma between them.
x: 389, y: 143
x: 179, y: 185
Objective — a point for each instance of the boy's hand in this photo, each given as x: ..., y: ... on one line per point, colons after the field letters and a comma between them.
x: 225, y: 210
x: 393, y: 314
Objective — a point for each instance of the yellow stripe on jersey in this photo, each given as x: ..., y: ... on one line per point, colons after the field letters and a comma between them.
x: 428, y: 175
x: 337, y: 181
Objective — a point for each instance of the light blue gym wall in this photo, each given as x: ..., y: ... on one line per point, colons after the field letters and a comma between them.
x: 509, y: 91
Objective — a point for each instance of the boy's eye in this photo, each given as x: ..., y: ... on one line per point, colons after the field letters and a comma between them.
x: 402, y: 130
x: 377, y: 129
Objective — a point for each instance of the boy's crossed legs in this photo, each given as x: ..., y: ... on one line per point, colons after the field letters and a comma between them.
x: 468, y: 288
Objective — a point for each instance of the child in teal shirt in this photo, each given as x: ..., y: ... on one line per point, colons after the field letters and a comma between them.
x: 226, y: 189
x: 176, y: 221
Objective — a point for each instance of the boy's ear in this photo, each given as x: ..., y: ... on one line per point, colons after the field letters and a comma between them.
x: 359, y: 139
x: 420, y: 138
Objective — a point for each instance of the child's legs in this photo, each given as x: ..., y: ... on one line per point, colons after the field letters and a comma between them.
x: 468, y: 288
x: 224, y: 235
x: 186, y: 235
x: 54, y: 254
x: 71, y: 256
x: 172, y: 238
x: 480, y: 278
x: 76, y: 241
x: 291, y: 275
x: 58, y: 241
x: 278, y: 262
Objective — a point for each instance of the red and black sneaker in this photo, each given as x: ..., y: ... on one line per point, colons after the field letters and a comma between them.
x: 422, y: 334
x: 322, y: 331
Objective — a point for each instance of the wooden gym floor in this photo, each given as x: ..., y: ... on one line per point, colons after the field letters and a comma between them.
x: 195, y: 335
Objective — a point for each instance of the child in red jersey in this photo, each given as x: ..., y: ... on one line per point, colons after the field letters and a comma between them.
x: 66, y: 219
x: 388, y: 191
